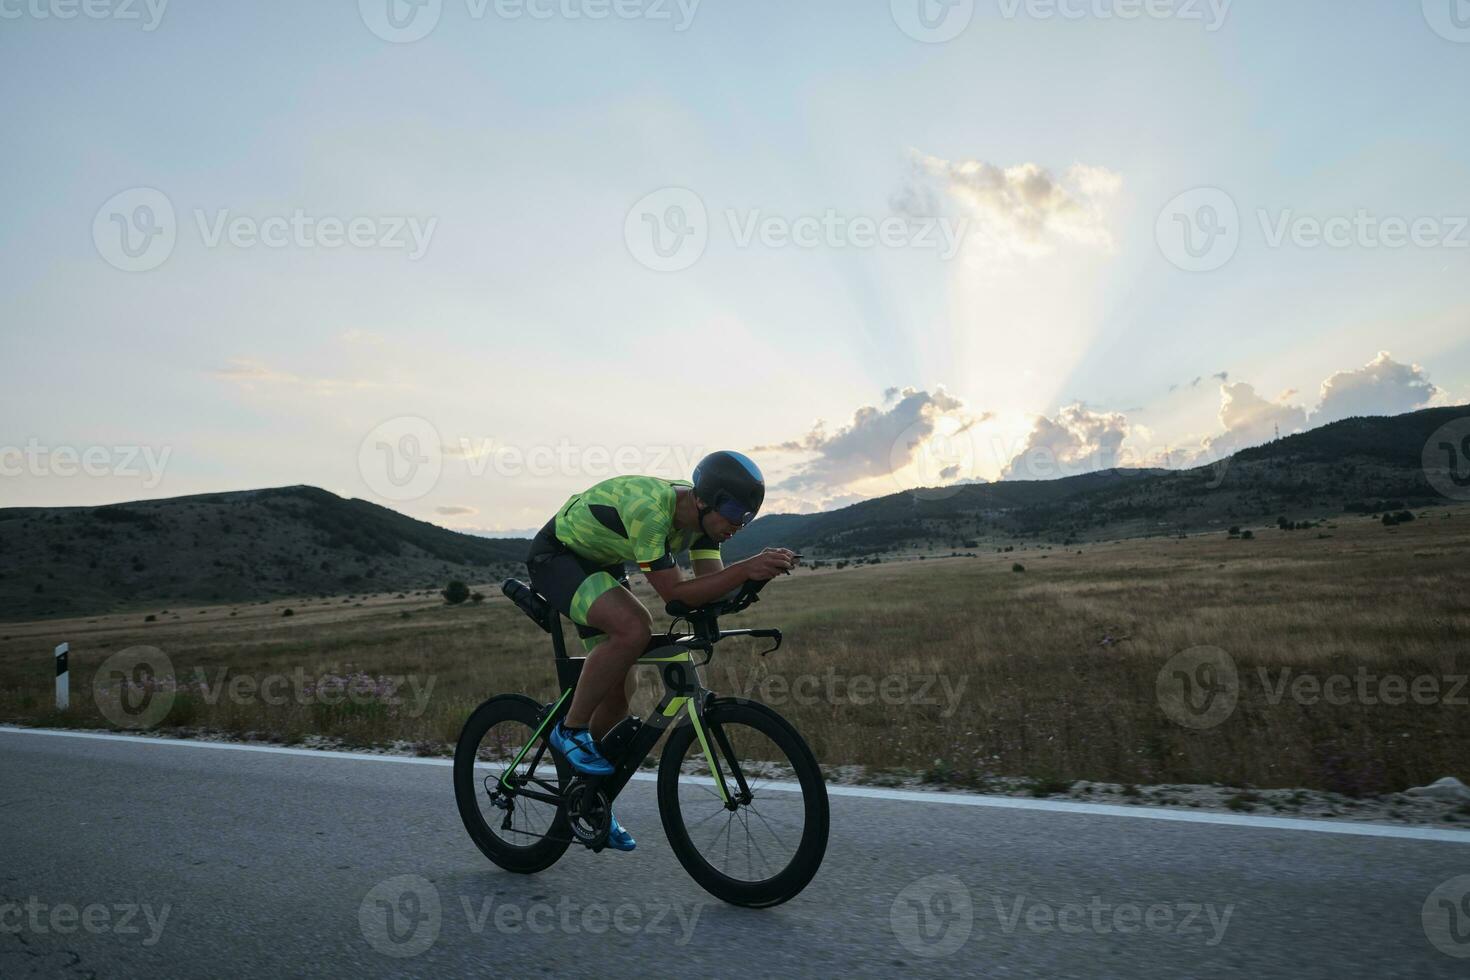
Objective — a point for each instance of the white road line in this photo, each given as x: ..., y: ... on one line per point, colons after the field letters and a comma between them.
x: 896, y: 795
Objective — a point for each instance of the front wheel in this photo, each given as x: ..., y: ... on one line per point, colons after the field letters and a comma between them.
x: 760, y: 841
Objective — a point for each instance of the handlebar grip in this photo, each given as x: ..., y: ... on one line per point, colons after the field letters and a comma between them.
x: 678, y: 608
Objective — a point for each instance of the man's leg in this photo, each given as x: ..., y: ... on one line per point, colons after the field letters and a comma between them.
x: 614, y: 707
x: 604, y: 676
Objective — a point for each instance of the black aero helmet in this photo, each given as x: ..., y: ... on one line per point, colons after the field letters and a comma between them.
x: 730, y: 484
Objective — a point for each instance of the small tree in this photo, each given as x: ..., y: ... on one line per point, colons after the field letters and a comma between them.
x: 455, y: 592
x: 477, y: 597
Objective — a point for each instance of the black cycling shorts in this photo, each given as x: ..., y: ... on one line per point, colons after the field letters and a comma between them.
x: 570, y: 582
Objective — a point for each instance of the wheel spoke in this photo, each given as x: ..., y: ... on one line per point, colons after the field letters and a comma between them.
x: 748, y: 749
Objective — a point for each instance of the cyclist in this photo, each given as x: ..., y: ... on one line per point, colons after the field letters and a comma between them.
x: 577, y: 563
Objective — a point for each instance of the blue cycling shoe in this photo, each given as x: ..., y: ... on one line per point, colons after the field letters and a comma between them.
x: 580, y: 750
x: 618, y: 838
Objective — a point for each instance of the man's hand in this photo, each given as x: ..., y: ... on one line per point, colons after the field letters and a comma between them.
x: 770, y: 563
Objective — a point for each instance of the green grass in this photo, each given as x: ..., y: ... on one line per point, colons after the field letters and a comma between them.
x: 987, y: 673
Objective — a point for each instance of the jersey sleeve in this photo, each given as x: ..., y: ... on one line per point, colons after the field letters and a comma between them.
x: 648, y: 521
x: 704, y: 547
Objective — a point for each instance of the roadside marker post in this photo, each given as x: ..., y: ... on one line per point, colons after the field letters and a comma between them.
x: 63, y: 678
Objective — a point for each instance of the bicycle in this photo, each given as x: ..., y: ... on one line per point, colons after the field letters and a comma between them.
x: 524, y: 805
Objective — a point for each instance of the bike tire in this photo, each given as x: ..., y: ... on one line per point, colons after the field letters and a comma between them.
x: 521, y: 710
x: 808, y: 854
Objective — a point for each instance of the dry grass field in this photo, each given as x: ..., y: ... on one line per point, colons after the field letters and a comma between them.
x: 1348, y: 642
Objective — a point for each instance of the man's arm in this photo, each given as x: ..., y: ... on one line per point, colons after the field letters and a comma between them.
x: 704, y: 557
x: 671, y: 585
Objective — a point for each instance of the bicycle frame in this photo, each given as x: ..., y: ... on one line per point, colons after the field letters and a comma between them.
x: 684, y: 693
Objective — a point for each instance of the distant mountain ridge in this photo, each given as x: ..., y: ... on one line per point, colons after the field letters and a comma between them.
x: 228, y: 547
x: 1322, y: 472
x: 299, y: 540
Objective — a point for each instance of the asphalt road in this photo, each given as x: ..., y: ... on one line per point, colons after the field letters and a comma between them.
x: 121, y: 859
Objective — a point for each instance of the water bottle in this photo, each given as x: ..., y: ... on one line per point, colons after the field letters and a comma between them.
x: 529, y: 602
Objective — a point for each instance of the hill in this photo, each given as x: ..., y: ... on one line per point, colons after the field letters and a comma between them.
x: 1362, y: 464
x: 296, y: 541
x: 227, y: 547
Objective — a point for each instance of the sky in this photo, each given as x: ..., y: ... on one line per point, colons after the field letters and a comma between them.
x: 464, y: 258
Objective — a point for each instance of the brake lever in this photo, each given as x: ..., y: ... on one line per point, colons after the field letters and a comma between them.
x: 776, y: 635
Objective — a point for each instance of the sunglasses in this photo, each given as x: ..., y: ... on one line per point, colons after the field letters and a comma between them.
x: 734, y: 512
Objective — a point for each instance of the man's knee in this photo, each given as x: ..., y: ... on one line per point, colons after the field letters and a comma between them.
x: 632, y: 631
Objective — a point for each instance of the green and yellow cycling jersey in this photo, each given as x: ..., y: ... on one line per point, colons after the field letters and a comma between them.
x: 630, y: 518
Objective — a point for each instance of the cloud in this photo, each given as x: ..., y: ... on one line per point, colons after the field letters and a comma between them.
x: 250, y: 374
x: 455, y: 510
x: 877, y: 441
x: 1021, y: 209
x: 355, y: 335
x: 1249, y: 420
x: 1383, y: 386
x: 1077, y: 440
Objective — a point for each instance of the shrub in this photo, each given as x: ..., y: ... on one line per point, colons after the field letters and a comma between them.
x: 1246, y: 535
x: 455, y: 592
x: 288, y: 611
x: 477, y: 597
x: 1017, y: 567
